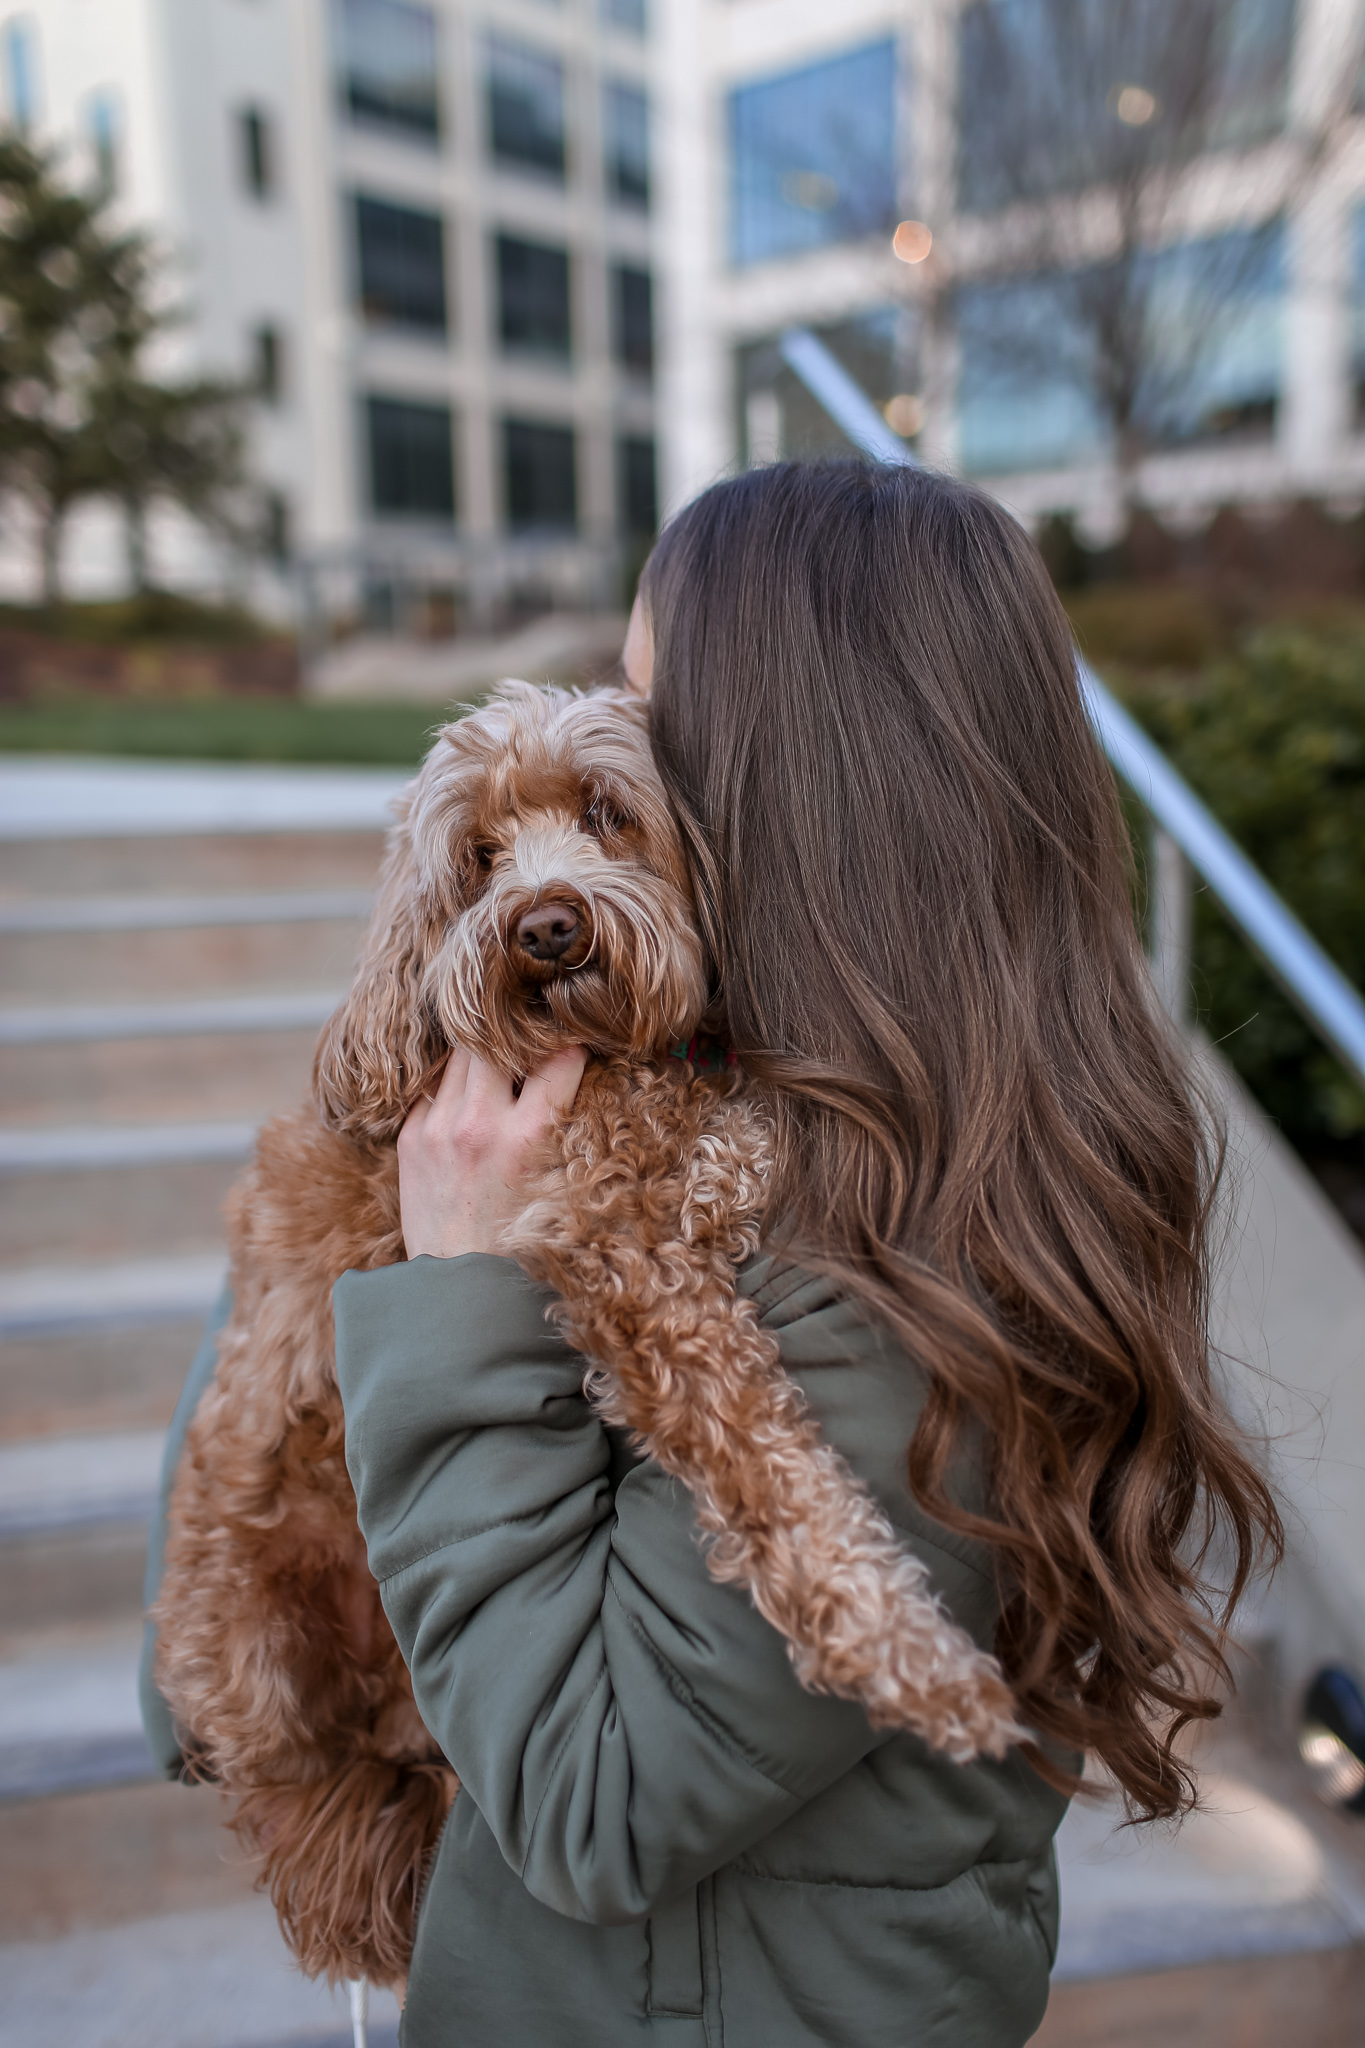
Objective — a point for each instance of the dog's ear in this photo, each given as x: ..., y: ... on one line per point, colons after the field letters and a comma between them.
x: 379, y: 1047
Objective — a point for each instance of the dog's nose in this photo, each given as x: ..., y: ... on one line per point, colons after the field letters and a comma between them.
x: 548, y: 931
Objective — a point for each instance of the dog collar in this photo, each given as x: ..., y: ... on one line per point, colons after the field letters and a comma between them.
x: 704, y: 1053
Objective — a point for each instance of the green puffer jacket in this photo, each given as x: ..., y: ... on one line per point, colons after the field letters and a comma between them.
x: 661, y: 1837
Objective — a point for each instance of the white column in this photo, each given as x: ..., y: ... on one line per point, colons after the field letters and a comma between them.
x: 695, y: 431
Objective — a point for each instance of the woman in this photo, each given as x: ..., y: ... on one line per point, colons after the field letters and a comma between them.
x: 986, y: 1269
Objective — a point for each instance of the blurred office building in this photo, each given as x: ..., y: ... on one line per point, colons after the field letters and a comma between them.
x: 1130, y: 264
x: 484, y: 257
x: 425, y: 231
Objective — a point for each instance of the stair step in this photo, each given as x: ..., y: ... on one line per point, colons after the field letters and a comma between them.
x: 219, y: 1976
x: 170, y: 966
x: 78, y: 1148
x: 75, y: 1512
x: 80, y: 1577
x: 216, y: 1077
x: 120, y: 1376
x: 70, y: 1720
x: 48, y: 915
x: 161, y: 865
x: 50, y: 1298
x: 77, y: 1023
x: 66, y: 1482
x: 58, y: 796
x: 113, y: 1212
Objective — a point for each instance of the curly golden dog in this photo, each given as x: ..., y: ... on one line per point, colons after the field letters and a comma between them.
x: 534, y: 893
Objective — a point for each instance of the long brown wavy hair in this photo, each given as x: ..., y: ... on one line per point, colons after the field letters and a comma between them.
x: 915, y: 890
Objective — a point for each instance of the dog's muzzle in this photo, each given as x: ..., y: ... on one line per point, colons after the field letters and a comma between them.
x: 550, y: 936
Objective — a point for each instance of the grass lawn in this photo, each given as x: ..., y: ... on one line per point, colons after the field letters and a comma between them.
x: 386, y: 733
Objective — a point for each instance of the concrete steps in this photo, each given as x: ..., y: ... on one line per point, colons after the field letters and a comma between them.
x: 169, y: 945
x: 209, y: 1076
x: 209, y: 1976
x: 139, y: 1049
x: 219, y: 957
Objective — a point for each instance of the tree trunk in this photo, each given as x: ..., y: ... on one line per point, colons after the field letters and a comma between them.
x: 135, y: 531
x: 1130, y: 449
x: 50, y: 553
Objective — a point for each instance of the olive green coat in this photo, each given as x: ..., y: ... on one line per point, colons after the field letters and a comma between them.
x: 661, y: 1836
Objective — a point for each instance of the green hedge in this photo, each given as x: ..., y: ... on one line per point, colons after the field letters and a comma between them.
x: 1273, y: 739
x: 150, y: 615
x: 224, y: 728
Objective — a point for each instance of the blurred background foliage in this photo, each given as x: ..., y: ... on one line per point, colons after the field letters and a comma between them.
x: 1271, y: 733
x: 391, y: 732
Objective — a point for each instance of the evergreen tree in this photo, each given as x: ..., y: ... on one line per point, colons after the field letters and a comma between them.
x: 80, y: 414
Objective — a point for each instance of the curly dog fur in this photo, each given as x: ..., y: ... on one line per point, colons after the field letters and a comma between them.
x: 275, y: 1655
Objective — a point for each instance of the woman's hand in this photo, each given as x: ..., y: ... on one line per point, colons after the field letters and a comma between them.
x: 466, y: 1155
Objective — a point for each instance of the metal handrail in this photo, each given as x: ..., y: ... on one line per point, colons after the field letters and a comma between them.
x: 1318, y: 989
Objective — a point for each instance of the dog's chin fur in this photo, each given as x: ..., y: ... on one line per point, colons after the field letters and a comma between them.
x: 274, y: 1653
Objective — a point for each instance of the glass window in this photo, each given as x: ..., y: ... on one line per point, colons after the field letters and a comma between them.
x: 540, y: 477
x: 1032, y: 364
x: 386, y: 65
x: 625, y: 136
x: 533, y: 296
x: 633, y: 323
x: 627, y: 15
x: 813, y: 156
x: 525, y: 107
x: 1020, y: 407
x: 637, y: 492
x: 1042, y: 86
x: 1214, y: 312
x: 21, y: 72
x: 400, y: 264
x: 412, y: 468
x: 256, y: 152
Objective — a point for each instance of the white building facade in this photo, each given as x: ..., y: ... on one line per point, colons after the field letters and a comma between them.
x: 799, y: 135
x: 425, y: 229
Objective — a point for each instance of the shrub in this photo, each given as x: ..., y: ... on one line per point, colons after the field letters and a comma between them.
x: 225, y: 728
x: 1147, y: 625
x: 147, y: 615
x: 1274, y: 741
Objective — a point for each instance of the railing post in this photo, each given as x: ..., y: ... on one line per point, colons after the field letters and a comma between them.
x: 1170, y: 925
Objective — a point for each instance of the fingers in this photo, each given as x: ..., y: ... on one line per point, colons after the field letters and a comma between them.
x: 453, y: 1078
x: 553, y: 1089
x: 487, y: 1089
x: 472, y: 1093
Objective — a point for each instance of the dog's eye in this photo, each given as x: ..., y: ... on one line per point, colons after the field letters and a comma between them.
x: 482, y: 857
x: 604, y: 820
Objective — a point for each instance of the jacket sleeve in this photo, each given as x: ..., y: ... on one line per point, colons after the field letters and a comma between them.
x: 624, y: 1724
x: 156, y: 1715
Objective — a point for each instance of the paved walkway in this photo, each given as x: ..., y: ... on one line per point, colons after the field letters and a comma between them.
x: 1246, y: 1876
